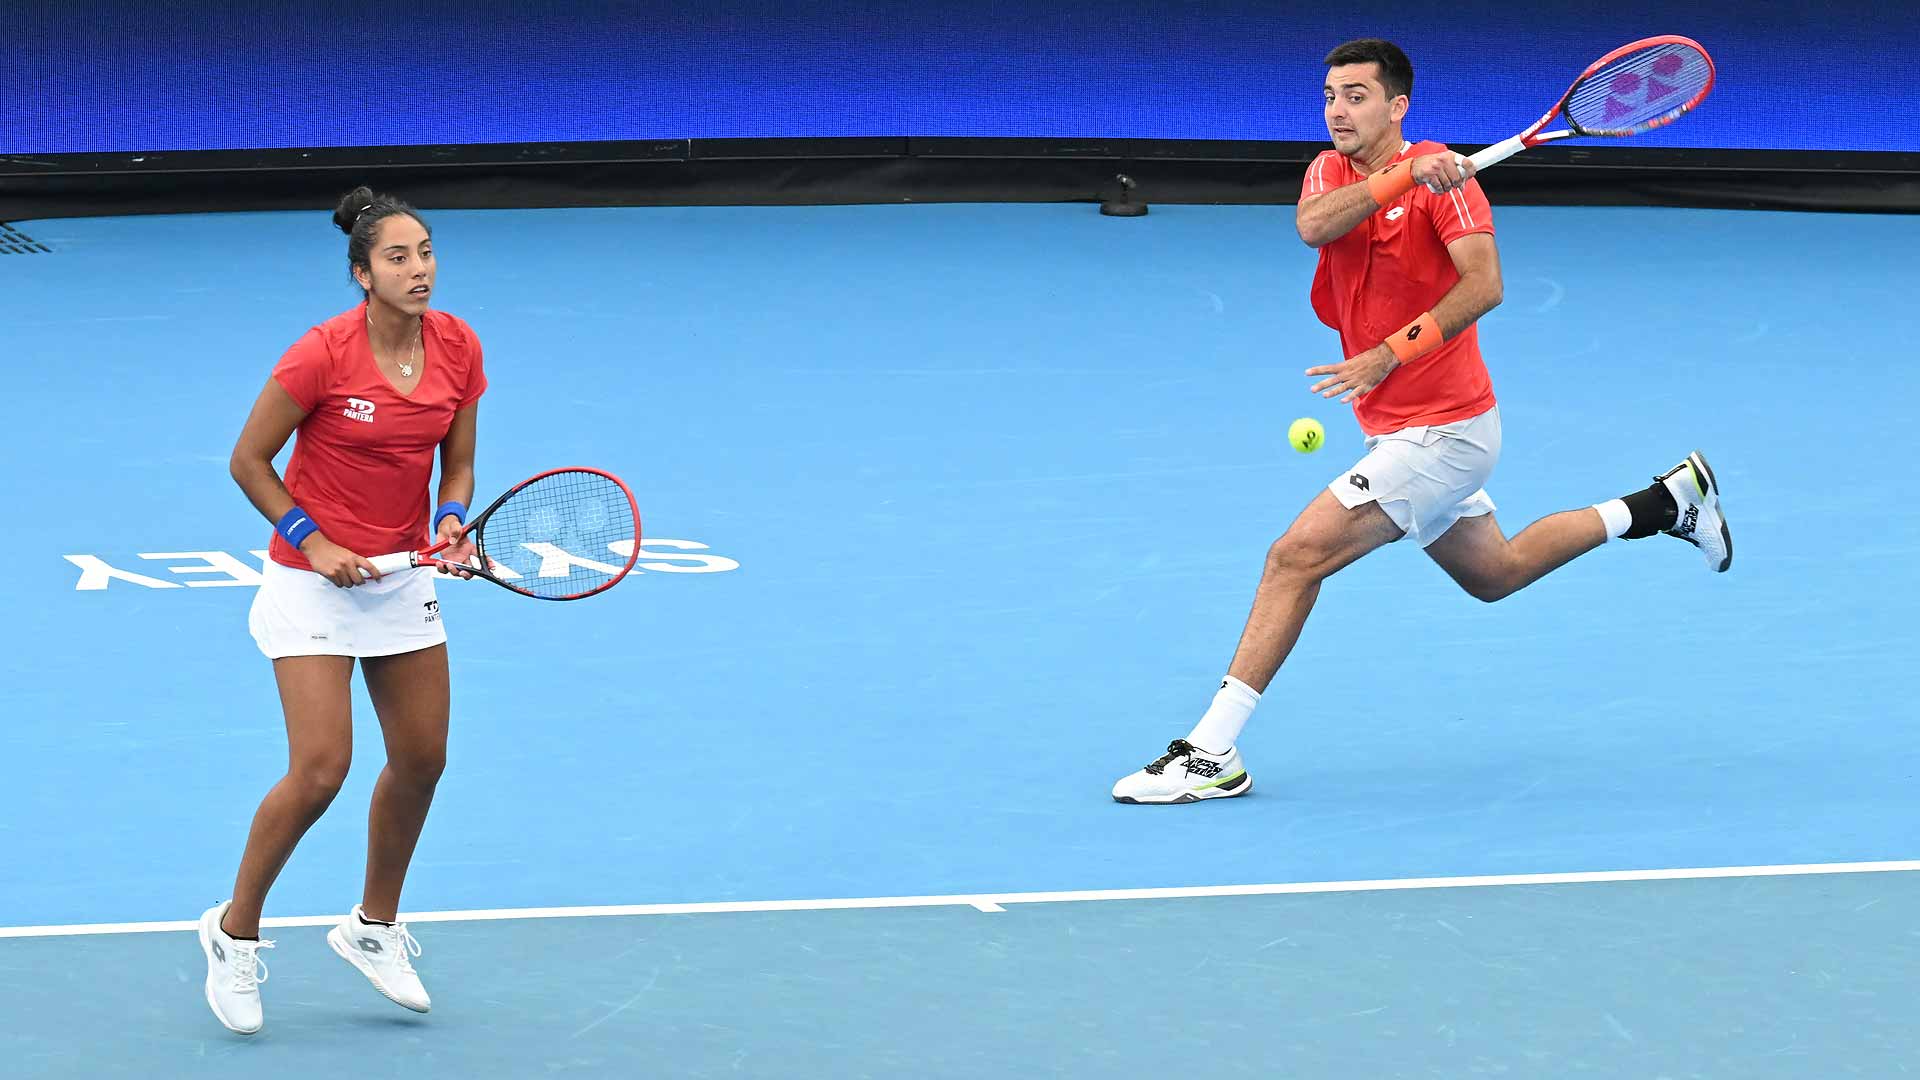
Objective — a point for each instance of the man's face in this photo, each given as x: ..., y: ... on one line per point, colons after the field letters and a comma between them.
x: 1360, y: 113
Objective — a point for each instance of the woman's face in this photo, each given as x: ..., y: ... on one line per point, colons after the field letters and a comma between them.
x: 400, y: 266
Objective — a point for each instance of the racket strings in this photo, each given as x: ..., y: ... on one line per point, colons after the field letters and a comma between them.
x: 1642, y: 90
x: 565, y: 534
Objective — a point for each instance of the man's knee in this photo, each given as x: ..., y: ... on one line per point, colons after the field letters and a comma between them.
x: 1487, y: 591
x: 1297, y: 558
x: 1327, y: 537
x: 1490, y: 583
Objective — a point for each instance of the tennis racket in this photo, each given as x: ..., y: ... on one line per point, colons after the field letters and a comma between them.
x: 562, y: 535
x: 1637, y: 87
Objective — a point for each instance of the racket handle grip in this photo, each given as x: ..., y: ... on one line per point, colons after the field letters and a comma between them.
x: 1495, y: 154
x: 393, y: 564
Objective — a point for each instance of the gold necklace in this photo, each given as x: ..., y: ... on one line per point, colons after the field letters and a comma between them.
x: 406, y: 369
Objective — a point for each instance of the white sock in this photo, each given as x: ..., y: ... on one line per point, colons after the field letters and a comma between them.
x: 1615, y: 516
x: 1232, y: 707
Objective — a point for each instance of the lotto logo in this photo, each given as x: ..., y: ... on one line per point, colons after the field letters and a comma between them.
x: 1688, y: 523
x: 358, y: 409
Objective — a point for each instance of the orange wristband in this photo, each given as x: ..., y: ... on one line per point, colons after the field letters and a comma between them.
x: 1417, y: 338
x: 1390, y: 183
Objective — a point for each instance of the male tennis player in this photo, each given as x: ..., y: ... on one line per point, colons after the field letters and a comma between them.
x: 372, y: 392
x: 1407, y: 264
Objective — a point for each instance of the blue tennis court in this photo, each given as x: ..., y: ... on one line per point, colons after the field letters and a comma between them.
x: 953, y: 516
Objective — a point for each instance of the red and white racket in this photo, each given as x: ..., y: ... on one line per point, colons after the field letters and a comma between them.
x: 1637, y: 87
x: 562, y: 535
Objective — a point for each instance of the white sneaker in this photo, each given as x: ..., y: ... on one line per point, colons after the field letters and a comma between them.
x: 1186, y: 773
x: 384, y: 955
x: 234, y: 973
x: 1700, y: 521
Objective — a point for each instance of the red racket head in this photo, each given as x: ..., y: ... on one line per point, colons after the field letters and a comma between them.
x: 562, y: 535
x: 1639, y: 86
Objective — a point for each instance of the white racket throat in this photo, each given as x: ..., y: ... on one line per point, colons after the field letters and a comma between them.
x: 1495, y: 154
x: 405, y: 560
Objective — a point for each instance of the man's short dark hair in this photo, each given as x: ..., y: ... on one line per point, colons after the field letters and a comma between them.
x: 1396, y: 71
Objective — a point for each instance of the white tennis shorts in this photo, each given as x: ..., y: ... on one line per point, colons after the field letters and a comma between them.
x: 300, y: 613
x: 1426, y: 478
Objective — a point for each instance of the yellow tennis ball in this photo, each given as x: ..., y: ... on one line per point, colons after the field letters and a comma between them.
x: 1306, y: 434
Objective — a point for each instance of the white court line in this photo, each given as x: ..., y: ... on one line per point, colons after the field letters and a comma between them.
x: 993, y: 901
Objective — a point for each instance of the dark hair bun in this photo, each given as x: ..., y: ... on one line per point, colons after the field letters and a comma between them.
x: 351, y: 204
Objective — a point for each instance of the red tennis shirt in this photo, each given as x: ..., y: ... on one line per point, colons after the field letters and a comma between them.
x: 1381, y: 276
x: 363, y: 458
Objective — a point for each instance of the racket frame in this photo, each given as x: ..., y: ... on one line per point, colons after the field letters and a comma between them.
x: 1533, y: 136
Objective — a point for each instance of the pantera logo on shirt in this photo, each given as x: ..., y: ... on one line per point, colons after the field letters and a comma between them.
x: 358, y: 409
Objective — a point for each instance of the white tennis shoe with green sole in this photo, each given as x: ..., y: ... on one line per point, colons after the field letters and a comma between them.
x: 1186, y: 773
x: 1700, y: 521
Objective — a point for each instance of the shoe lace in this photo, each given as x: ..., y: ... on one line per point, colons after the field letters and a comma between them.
x: 404, y: 945
x: 1176, y: 748
x: 249, y: 968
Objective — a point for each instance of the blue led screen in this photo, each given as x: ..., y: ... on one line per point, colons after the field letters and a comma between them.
x: 115, y: 76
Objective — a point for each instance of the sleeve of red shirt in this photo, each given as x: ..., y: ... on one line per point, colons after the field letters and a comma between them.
x: 1320, y: 178
x: 1460, y: 212
x: 304, y: 370
x: 476, y: 372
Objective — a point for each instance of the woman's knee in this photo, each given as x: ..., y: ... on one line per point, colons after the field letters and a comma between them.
x: 319, y: 776
x: 419, y: 766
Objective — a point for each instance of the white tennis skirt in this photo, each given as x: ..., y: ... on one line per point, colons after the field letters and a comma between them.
x: 300, y: 613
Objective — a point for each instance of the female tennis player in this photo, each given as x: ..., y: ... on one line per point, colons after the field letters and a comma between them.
x: 372, y: 392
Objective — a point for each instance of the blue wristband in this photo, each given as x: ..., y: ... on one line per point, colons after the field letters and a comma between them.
x: 457, y: 509
x: 295, y: 525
